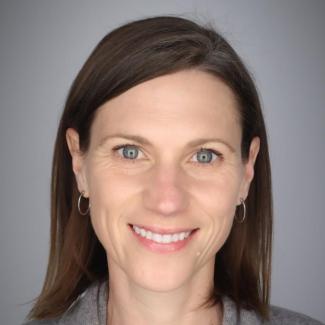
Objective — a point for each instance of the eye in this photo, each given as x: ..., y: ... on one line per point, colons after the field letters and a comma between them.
x: 127, y: 151
x: 207, y: 156
x: 132, y: 152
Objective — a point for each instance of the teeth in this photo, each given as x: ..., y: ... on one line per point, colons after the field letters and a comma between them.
x: 142, y: 232
x: 167, y: 239
x: 149, y: 235
x: 160, y: 238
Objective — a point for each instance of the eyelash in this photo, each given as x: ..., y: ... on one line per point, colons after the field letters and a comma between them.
x: 216, y: 153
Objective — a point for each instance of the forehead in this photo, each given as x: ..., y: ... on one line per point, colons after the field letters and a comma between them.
x: 183, y: 103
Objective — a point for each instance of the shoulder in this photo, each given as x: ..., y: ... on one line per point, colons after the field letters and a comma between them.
x: 42, y: 322
x: 283, y: 316
x: 278, y: 316
x: 88, y: 308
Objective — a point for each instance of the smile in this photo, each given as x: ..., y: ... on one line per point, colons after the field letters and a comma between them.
x: 161, y: 238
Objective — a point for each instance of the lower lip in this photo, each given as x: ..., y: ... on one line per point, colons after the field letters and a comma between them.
x: 161, y: 247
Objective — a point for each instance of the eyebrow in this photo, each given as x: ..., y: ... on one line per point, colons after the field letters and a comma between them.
x: 141, y: 140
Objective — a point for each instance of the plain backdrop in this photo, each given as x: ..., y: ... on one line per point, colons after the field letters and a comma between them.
x: 44, y: 44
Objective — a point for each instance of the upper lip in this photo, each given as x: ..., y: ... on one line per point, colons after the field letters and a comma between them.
x: 161, y: 230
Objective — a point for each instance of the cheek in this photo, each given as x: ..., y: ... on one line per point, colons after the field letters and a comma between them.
x: 217, y: 199
x: 110, y: 197
x: 218, y: 196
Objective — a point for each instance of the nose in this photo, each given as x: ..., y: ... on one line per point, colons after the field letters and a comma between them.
x: 165, y: 192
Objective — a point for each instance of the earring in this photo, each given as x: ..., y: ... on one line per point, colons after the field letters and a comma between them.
x: 242, y: 202
x: 83, y: 213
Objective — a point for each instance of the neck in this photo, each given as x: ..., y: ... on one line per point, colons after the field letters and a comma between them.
x: 130, y: 303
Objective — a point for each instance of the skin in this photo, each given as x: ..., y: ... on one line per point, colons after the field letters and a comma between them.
x: 166, y: 186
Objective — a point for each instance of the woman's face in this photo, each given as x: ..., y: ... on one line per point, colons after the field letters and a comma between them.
x: 164, y: 174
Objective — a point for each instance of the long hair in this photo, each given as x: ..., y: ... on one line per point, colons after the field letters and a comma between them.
x: 129, y: 55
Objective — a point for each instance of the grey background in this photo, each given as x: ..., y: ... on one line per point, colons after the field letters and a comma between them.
x: 43, y: 45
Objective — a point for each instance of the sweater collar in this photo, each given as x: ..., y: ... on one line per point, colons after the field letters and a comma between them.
x: 90, y: 308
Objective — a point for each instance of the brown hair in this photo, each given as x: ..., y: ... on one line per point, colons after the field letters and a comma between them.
x: 131, y: 54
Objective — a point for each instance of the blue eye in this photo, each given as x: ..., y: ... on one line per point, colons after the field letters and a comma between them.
x: 128, y: 151
x: 206, y: 156
x: 131, y: 153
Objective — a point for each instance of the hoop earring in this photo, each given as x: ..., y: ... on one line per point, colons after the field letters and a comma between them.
x: 83, y: 213
x: 242, y: 201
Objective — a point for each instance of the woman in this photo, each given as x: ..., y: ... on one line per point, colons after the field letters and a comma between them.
x: 161, y: 187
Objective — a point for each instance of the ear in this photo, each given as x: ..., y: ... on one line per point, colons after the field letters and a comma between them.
x: 249, y: 168
x: 78, y: 160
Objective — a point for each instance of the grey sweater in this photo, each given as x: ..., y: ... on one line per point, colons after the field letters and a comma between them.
x: 90, y: 308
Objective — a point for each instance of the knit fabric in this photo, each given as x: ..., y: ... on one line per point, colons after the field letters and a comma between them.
x: 90, y: 308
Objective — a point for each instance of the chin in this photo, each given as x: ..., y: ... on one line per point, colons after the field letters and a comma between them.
x: 162, y: 277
